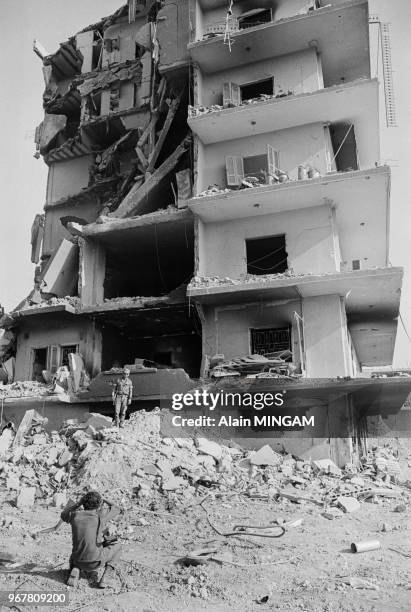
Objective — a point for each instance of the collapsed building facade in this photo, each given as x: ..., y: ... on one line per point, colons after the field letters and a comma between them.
x: 214, y: 188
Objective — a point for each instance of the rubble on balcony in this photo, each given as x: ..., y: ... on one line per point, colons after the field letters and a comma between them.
x: 271, y: 365
x: 215, y: 281
x: 68, y: 300
x: 197, y: 111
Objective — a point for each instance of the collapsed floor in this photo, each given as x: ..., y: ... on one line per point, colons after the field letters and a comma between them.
x: 188, y: 509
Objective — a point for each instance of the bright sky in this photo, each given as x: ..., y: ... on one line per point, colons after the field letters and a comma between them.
x: 23, y: 178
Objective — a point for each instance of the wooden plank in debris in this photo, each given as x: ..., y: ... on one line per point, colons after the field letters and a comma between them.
x: 138, y: 193
x: 141, y: 157
x: 163, y: 134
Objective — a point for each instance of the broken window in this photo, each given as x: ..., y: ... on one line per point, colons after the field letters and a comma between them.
x: 266, y: 255
x: 344, y: 146
x: 253, y: 18
x: 257, y: 89
x: 64, y: 353
x: 261, y: 169
x: 270, y: 340
x: 39, y: 363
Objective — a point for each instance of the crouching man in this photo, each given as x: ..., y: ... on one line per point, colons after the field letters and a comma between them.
x: 90, y: 552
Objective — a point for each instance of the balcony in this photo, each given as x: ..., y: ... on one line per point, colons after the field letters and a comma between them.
x: 355, y: 102
x: 340, y: 33
x: 361, y: 192
x: 372, y: 301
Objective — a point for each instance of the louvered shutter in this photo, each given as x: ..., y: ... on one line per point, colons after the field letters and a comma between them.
x: 234, y: 169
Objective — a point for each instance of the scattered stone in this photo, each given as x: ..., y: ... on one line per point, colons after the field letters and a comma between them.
x: 13, y: 482
x: 141, y: 522
x: 40, y: 439
x: 332, y: 513
x: 349, y: 504
x: 400, y: 508
x: 328, y: 466
x: 209, y: 448
x: 81, y: 439
x: 26, y: 497
x: 65, y: 457
x: 173, y: 483
x: 59, y: 475
x: 60, y: 499
x: 386, y: 527
x: 265, y: 456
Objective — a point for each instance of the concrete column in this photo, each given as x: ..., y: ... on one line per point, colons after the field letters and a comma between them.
x: 92, y: 270
x: 91, y: 347
x: 325, y: 337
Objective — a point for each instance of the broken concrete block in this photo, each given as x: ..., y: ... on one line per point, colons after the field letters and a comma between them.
x: 359, y: 482
x: 328, y: 466
x: 6, y: 439
x: 209, y: 448
x: 52, y: 457
x: 40, y: 438
x: 65, y: 457
x: 99, y: 421
x: 332, y: 513
x: 265, y: 456
x: 26, y: 497
x: 151, y: 469
x: 349, y: 504
x: 59, y: 475
x: 141, y: 522
x: 171, y: 484
x: 13, y: 482
x: 81, y: 439
x: 60, y: 499
x: 400, y: 508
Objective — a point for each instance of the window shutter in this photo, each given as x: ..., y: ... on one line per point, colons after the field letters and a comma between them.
x: 235, y: 94
x: 235, y: 170
x: 227, y: 99
x: 273, y: 160
x: 231, y: 94
x: 53, y: 358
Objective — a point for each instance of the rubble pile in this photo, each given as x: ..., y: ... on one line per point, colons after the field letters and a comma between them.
x: 27, y: 388
x: 215, y: 281
x: 136, y: 466
x: 271, y: 365
x: 196, y: 111
x: 68, y: 300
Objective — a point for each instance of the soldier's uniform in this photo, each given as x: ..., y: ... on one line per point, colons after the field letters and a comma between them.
x: 122, y: 395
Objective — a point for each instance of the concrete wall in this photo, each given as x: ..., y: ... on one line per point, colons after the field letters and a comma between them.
x: 173, y: 32
x: 54, y: 231
x: 297, y: 72
x: 41, y: 333
x: 126, y: 32
x: 326, y: 337
x: 92, y: 270
x: 301, y: 145
x: 308, y: 235
x: 68, y: 177
x: 226, y: 329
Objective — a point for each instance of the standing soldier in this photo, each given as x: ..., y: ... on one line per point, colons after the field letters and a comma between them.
x: 122, y: 395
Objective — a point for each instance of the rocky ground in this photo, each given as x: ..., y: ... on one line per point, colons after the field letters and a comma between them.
x: 180, y: 499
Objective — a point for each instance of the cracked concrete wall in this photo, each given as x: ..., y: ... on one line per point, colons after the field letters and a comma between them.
x: 297, y: 72
x: 308, y: 236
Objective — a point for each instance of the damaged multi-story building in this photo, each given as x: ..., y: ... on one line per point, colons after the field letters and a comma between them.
x: 215, y: 188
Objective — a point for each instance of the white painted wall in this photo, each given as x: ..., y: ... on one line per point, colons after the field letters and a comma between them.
x: 67, y: 178
x: 302, y: 145
x: 308, y: 235
x: 296, y: 72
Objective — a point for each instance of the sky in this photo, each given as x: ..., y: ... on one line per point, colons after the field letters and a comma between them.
x: 23, y: 178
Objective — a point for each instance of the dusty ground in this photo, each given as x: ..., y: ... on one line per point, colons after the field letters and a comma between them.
x: 308, y: 569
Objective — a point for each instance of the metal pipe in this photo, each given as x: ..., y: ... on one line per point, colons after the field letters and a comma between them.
x: 359, y: 547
